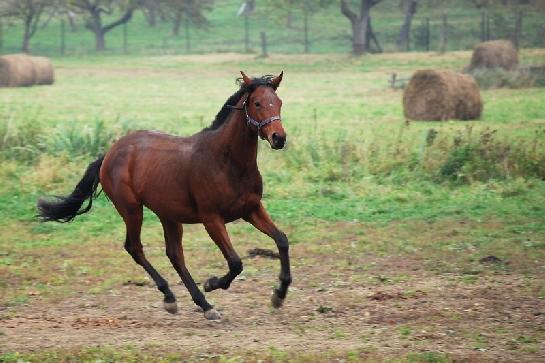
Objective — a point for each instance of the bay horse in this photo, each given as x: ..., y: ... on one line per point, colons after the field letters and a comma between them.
x: 210, y: 177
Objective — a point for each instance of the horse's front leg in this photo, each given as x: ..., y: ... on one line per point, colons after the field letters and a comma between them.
x: 260, y: 219
x: 215, y: 226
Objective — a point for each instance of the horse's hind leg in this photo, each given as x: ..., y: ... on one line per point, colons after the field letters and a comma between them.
x: 133, y: 245
x: 173, y: 239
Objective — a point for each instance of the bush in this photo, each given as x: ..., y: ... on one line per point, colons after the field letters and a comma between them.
x: 499, y: 78
x: 441, y: 156
x: 488, y: 157
x: 27, y: 140
x: 20, y: 140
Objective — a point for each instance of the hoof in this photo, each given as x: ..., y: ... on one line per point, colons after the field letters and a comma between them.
x: 212, y: 314
x: 171, y: 307
x: 211, y: 284
x: 276, y: 301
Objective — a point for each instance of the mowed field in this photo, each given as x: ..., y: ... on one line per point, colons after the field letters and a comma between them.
x: 420, y: 241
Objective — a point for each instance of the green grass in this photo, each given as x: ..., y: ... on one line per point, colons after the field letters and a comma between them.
x: 355, y: 181
x: 357, y: 156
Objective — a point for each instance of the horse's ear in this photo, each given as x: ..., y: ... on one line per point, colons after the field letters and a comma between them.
x: 276, y: 80
x: 246, y: 79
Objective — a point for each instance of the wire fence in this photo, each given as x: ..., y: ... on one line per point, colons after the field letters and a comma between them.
x: 321, y: 33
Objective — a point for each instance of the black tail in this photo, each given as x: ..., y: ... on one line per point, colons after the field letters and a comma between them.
x: 65, y: 209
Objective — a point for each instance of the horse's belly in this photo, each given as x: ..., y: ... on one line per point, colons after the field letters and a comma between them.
x: 173, y: 208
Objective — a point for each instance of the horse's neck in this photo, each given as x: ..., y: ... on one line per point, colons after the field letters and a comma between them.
x: 239, y: 140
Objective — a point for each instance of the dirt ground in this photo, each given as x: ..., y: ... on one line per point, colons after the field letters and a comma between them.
x: 494, y: 319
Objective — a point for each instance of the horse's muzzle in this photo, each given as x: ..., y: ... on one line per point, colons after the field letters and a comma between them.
x: 278, y: 141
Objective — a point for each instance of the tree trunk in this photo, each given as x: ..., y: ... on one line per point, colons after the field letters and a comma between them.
x: 404, y: 34
x: 95, y: 25
x: 371, y: 36
x: 361, y: 25
x: 100, y: 41
x: 362, y: 36
x: 177, y: 23
x: 26, y: 44
x: 25, y: 48
x: 72, y: 21
x: 360, y: 43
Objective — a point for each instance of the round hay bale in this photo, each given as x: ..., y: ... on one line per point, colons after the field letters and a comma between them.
x: 495, y: 54
x: 16, y: 70
x: 442, y: 95
x: 43, y: 69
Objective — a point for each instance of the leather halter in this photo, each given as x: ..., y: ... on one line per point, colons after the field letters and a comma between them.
x: 251, y: 121
x: 258, y: 124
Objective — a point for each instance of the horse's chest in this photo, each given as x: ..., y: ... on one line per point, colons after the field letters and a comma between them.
x: 229, y: 191
x: 242, y: 196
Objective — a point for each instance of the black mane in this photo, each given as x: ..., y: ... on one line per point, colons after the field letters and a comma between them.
x: 223, y: 114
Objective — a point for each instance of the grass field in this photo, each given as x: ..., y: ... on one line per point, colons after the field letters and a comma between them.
x: 389, y: 221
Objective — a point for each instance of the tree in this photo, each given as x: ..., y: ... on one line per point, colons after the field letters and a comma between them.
x: 362, y: 32
x: 94, y: 9
x: 29, y: 12
x: 405, y: 31
x: 192, y: 9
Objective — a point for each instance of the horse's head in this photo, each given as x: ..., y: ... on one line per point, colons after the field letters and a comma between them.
x: 262, y: 109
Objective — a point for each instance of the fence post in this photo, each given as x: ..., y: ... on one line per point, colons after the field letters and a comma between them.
x: 487, y: 27
x: 427, y: 34
x: 306, y: 34
x: 483, y: 26
x: 63, y: 34
x: 246, y: 34
x: 518, y: 28
x: 264, y: 53
x: 444, y: 34
x: 1, y: 36
x: 125, y: 38
x: 187, y: 36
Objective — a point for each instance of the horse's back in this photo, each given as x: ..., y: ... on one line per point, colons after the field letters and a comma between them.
x: 149, y: 168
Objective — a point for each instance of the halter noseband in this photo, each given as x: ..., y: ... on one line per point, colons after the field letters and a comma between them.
x: 251, y: 121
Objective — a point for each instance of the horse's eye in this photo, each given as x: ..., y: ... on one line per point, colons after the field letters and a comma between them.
x: 257, y: 104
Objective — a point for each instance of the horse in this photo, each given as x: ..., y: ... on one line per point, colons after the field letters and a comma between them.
x: 210, y: 178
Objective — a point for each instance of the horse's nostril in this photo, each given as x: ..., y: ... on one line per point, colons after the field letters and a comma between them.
x: 278, y: 140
